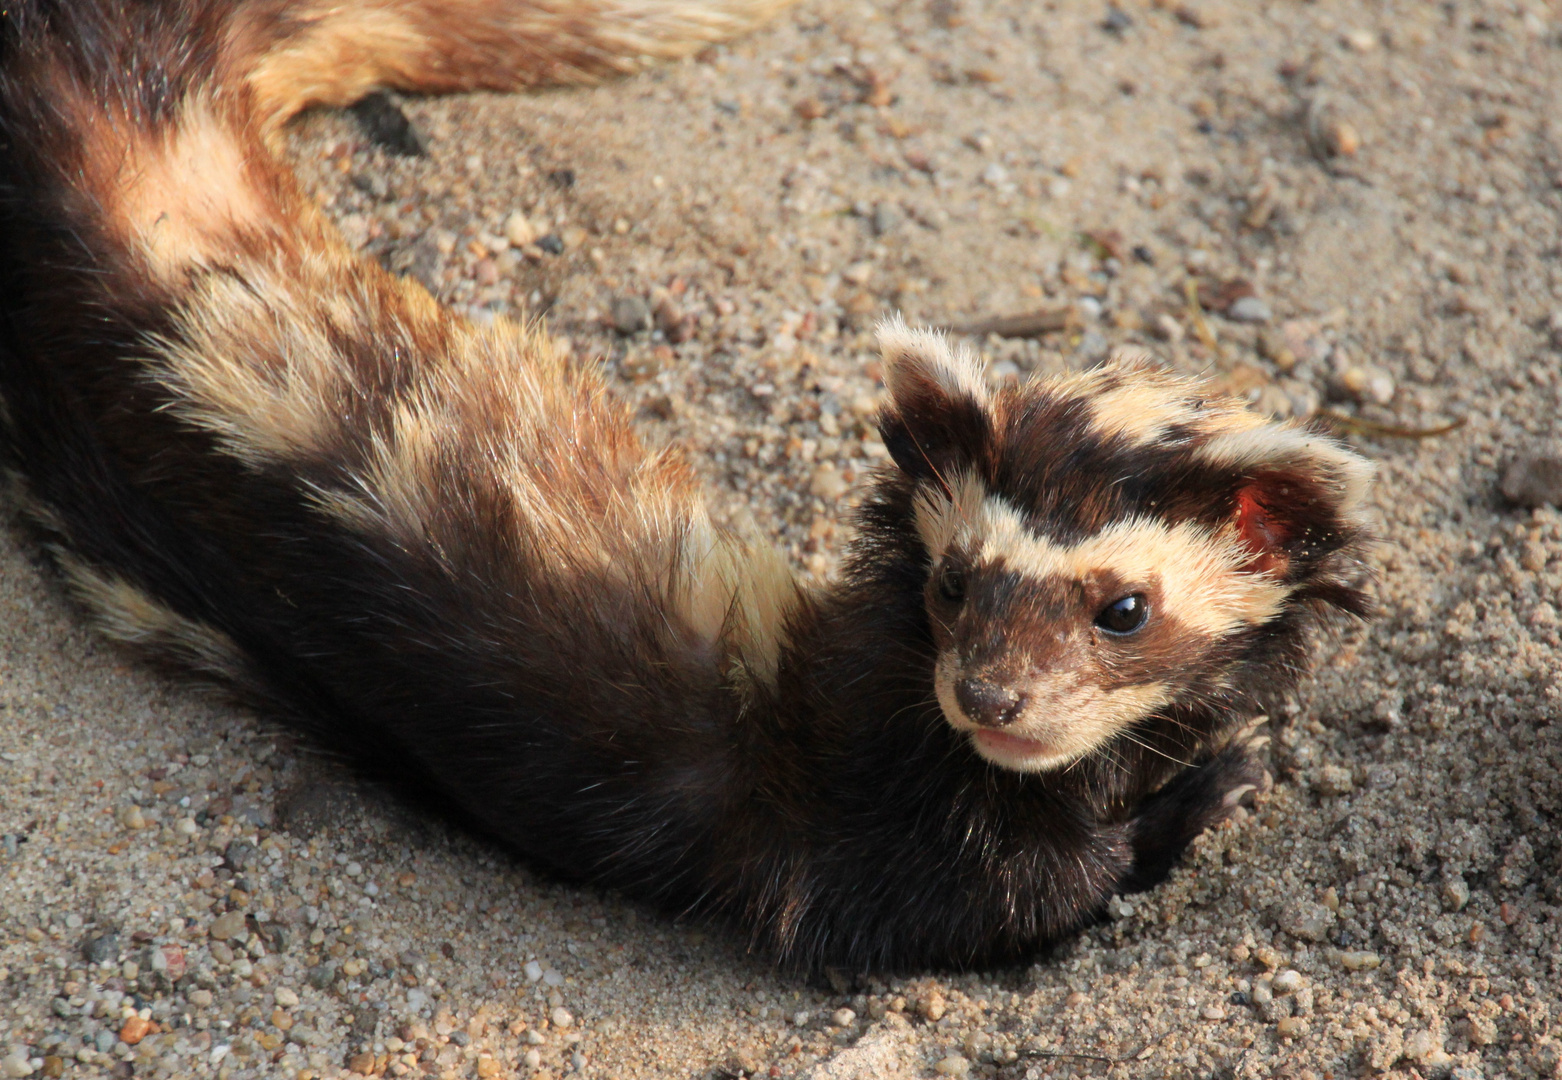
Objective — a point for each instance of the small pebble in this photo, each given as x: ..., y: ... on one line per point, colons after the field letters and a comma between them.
x: 630, y: 315
x: 533, y: 971
x: 885, y: 219
x: 132, y: 818
x: 1249, y: 309
x: 1368, y: 384
x: 1329, y: 134
x: 827, y: 482
x: 518, y: 229
x: 1455, y: 894
x: 1360, y: 961
x: 1335, y: 780
x: 800, y: 1018
x: 1286, y: 981
x: 532, y: 1058
x: 226, y: 926
x: 16, y: 1063
x: 1342, y: 139
x: 286, y: 997
x: 1291, y: 1027
x: 843, y: 1018
x: 932, y: 1007
x: 1168, y: 328
x: 1360, y: 40
x: 102, y: 949
x: 134, y: 1030
x: 201, y: 999
x: 953, y: 1065
x: 1532, y: 480
x: 560, y: 1018
x: 1305, y: 919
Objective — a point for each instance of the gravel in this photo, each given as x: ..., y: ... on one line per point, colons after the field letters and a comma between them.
x: 1399, y: 205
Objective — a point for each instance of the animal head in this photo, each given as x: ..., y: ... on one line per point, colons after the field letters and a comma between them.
x: 1111, y: 547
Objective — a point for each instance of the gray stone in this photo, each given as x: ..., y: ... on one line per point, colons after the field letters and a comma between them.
x: 886, y: 219
x: 101, y: 949
x: 631, y: 315
x: 1532, y: 480
x: 1305, y: 919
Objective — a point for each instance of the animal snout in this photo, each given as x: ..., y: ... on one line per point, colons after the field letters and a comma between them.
x: 986, y: 703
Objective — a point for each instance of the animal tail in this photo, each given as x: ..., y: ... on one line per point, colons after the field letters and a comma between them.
x: 269, y: 457
x: 300, y: 53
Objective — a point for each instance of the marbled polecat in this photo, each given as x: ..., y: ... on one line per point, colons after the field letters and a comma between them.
x: 435, y: 547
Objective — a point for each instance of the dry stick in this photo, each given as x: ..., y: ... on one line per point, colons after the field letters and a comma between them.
x: 1070, y: 1054
x: 1135, y: 1056
x: 1196, y: 315
x: 1358, y: 426
x: 1029, y: 325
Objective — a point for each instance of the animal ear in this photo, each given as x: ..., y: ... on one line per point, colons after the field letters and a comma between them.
x: 1301, y: 496
x: 937, y: 421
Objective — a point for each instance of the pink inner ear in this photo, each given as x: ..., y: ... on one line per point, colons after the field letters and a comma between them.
x: 1261, y: 532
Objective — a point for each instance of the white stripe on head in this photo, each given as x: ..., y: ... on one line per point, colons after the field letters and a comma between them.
x: 1199, y: 570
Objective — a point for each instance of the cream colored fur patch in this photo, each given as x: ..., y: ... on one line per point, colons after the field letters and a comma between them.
x: 926, y: 355
x: 126, y: 613
x: 1200, y: 573
x: 179, y: 198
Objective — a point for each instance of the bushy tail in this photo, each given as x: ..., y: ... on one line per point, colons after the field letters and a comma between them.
x: 298, y: 53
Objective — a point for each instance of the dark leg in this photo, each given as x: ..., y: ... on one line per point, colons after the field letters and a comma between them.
x: 1194, y: 800
x: 386, y: 126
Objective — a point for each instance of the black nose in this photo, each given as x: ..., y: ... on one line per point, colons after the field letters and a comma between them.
x: 988, y: 704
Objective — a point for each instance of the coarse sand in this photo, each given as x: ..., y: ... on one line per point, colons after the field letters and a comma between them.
x: 1364, y: 201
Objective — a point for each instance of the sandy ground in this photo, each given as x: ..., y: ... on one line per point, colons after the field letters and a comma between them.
x: 1380, y: 181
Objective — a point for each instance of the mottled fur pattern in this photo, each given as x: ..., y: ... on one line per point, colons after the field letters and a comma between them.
x: 441, y: 550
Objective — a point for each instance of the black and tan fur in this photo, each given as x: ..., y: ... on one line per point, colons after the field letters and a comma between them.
x: 437, y: 548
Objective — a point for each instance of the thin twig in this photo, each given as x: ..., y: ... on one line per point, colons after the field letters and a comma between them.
x: 1070, y: 1054
x: 1357, y: 425
x: 1029, y: 325
x: 1196, y: 315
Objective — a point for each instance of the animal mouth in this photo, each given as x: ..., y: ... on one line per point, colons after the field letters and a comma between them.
x: 1015, y: 751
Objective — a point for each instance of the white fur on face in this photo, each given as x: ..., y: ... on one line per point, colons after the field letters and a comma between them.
x: 1067, y: 716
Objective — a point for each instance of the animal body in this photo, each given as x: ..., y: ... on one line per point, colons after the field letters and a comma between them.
x: 438, y: 549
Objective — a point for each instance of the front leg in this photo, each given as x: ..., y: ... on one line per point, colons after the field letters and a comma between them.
x: 1202, y: 796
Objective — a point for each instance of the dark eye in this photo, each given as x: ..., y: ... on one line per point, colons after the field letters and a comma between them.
x: 951, y: 583
x: 1124, y: 615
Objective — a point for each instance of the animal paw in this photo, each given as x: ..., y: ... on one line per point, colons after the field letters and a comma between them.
x: 1194, y: 800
